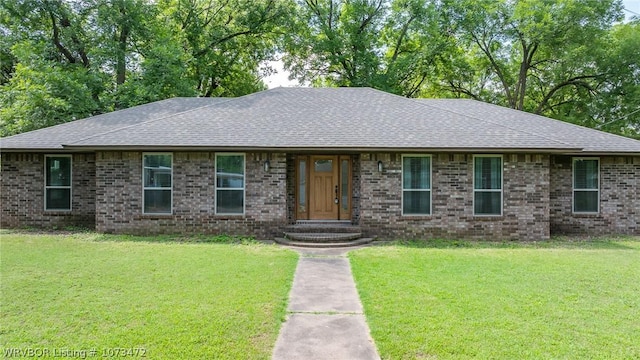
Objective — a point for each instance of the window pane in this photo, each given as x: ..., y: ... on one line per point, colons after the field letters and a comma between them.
x: 58, y: 199
x: 487, y: 173
x: 585, y: 201
x: 230, y: 201
x: 157, y: 161
x: 416, y: 172
x: 416, y: 202
x: 230, y: 171
x: 302, y: 186
x: 58, y: 171
x: 157, y: 177
x: 344, y: 184
x: 157, y: 171
x: 157, y: 201
x: 585, y: 174
x: 323, y: 166
x: 487, y: 203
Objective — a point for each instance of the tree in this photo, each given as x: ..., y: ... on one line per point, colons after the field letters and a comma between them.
x: 227, y: 40
x: 528, y: 55
x: 336, y: 42
x: 616, y: 108
x: 121, y: 53
x: 7, y: 60
x: 389, y: 45
x: 40, y: 94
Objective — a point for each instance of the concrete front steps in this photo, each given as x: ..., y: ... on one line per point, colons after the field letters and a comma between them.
x: 323, y: 234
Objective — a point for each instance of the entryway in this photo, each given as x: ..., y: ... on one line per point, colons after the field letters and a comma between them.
x: 323, y: 187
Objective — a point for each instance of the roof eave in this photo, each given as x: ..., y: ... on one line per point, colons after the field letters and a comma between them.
x: 43, y: 149
x: 558, y: 151
x: 603, y: 153
x: 326, y: 149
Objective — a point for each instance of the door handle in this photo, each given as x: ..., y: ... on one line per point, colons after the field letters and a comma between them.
x: 336, y: 198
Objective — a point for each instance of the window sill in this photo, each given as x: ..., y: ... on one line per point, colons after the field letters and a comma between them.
x: 154, y: 216
x: 585, y: 215
x: 488, y: 217
x: 229, y: 216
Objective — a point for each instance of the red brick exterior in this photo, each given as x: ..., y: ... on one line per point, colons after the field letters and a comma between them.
x: 119, y: 196
x: 619, y: 198
x: 525, y: 213
x: 22, y: 193
x: 537, y: 196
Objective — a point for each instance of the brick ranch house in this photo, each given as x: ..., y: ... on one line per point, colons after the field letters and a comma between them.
x: 253, y: 165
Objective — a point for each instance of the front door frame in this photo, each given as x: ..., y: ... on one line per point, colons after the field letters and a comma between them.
x: 343, y: 180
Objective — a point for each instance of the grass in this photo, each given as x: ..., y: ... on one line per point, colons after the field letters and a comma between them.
x: 559, y: 299
x: 174, y: 298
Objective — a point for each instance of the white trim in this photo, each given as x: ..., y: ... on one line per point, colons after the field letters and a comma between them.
x: 473, y: 176
x: 157, y: 188
x: 573, y: 189
x: 430, y: 190
x: 70, y: 187
x: 243, y: 188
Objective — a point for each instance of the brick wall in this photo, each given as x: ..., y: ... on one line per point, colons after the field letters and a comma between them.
x: 537, y: 197
x: 619, y: 198
x: 525, y: 199
x: 22, y: 193
x: 119, y: 196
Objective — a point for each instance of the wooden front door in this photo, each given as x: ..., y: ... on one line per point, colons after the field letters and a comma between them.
x: 323, y: 187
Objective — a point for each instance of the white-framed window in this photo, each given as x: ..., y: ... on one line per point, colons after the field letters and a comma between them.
x: 487, y: 185
x: 57, y: 182
x: 230, y: 183
x: 416, y: 185
x: 157, y: 183
x: 586, y: 185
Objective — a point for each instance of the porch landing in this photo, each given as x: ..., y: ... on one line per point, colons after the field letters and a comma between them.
x: 323, y: 234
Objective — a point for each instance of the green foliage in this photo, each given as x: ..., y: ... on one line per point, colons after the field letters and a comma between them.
x: 226, y: 41
x: 63, y: 60
x: 562, y: 59
x: 389, y: 45
x: 616, y: 108
x: 42, y: 94
x: 568, y: 59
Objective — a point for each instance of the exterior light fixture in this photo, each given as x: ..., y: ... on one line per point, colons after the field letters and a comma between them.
x: 380, y: 166
x: 267, y: 166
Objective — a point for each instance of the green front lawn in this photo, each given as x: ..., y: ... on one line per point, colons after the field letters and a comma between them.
x: 173, y: 300
x: 460, y: 300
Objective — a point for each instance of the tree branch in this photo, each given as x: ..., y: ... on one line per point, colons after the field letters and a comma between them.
x: 460, y: 90
x: 487, y: 51
x: 368, y: 19
x: 574, y: 81
x: 403, y: 33
x: 56, y: 40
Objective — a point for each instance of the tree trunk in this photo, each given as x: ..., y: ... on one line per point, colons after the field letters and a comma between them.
x: 121, y: 61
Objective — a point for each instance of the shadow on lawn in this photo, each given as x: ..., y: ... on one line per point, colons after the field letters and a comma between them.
x: 91, y: 235
x: 178, y: 238
x: 560, y: 242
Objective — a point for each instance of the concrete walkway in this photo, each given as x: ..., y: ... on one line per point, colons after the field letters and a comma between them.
x: 325, y: 318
